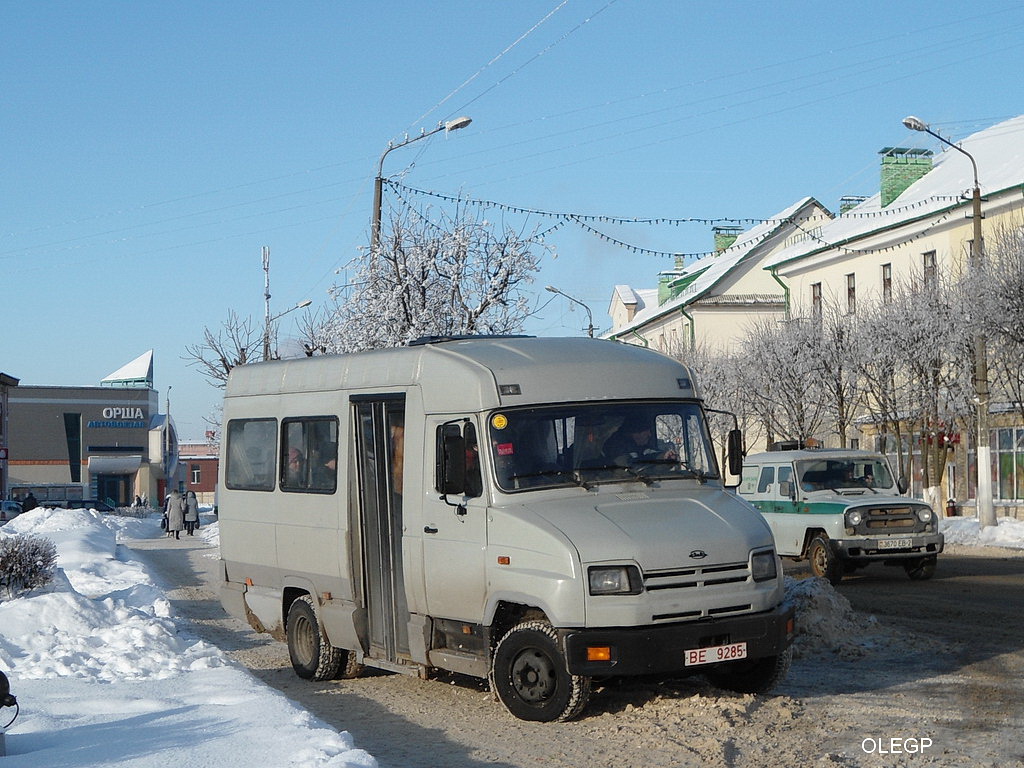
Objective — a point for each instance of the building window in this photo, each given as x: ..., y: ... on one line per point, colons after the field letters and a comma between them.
x: 851, y: 294
x: 1009, y: 457
x: 928, y: 267
x: 816, y: 299
x: 887, y: 283
x: 196, y: 473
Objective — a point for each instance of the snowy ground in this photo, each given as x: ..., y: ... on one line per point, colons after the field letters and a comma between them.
x: 105, y: 675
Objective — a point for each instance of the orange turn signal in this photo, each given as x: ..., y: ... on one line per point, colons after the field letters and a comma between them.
x: 599, y: 653
x: 504, y: 560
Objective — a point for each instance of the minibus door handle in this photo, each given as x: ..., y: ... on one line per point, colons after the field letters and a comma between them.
x: 429, y: 529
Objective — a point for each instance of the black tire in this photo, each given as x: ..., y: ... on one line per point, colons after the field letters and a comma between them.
x: 922, y: 569
x: 349, y: 667
x: 530, y: 677
x: 823, y: 559
x: 313, y: 658
x: 756, y: 676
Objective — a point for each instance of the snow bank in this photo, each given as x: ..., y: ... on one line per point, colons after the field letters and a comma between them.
x: 1007, y: 532
x: 105, y: 675
x: 825, y: 621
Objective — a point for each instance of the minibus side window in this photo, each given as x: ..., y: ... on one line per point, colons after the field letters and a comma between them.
x: 309, y: 454
x: 767, y: 479
x: 250, y: 454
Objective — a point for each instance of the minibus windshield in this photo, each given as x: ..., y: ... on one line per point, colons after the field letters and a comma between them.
x: 585, y: 444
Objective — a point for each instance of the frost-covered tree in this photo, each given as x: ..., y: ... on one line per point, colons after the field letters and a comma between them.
x: 782, y: 372
x: 461, y: 275
x: 997, y: 293
x: 722, y: 389
x: 840, y: 387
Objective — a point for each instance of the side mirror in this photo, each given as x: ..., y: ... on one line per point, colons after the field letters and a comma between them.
x: 786, y: 488
x: 734, y: 451
x: 453, y: 465
x: 902, y: 484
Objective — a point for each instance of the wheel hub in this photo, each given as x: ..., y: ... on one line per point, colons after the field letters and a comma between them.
x: 533, y: 675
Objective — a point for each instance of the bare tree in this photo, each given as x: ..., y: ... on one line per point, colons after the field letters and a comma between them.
x: 237, y: 342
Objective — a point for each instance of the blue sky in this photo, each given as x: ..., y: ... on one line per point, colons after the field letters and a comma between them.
x: 150, y: 150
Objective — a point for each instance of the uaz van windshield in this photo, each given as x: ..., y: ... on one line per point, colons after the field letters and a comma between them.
x: 836, y: 473
x: 586, y: 444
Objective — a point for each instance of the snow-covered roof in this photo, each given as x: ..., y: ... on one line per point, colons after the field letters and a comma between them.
x: 708, y: 271
x: 139, y: 372
x: 999, y: 154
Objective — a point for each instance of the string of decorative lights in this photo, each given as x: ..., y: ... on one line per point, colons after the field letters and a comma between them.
x: 811, y: 235
x: 583, y: 221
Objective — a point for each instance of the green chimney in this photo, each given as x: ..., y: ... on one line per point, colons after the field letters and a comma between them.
x: 901, y: 167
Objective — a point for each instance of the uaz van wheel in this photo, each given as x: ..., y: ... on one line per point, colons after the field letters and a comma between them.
x: 530, y: 677
x: 919, y: 570
x: 313, y: 658
x: 823, y: 559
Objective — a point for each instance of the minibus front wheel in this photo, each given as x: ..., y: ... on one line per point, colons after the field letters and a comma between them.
x: 530, y: 676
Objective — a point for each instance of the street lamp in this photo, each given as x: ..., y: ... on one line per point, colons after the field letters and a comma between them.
x: 986, y: 511
x: 378, y: 182
x: 590, y: 318
x: 270, y: 320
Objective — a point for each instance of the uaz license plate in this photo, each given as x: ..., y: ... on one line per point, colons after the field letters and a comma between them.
x: 895, y: 543
x: 715, y: 654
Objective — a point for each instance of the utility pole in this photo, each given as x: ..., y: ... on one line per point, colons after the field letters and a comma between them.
x: 266, y: 302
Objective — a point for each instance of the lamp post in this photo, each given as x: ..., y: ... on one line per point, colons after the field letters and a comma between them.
x: 590, y: 318
x: 983, y: 458
x: 378, y: 181
x: 270, y: 320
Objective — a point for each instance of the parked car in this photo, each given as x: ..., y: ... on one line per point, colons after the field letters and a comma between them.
x: 9, y: 510
x: 99, y: 506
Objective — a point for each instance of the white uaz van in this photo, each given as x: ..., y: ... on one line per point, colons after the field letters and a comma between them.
x: 535, y: 511
x: 841, y: 510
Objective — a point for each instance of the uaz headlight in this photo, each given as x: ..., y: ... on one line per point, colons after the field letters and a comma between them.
x: 615, y: 580
x: 924, y: 514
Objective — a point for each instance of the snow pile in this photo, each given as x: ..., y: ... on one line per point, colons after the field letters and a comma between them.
x: 1007, y: 532
x: 105, y: 675
x: 825, y: 621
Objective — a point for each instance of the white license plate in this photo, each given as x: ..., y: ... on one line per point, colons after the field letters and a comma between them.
x: 714, y: 655
x: 895, y: 543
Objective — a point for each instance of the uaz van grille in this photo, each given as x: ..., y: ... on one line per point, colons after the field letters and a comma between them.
x: 889, y: 520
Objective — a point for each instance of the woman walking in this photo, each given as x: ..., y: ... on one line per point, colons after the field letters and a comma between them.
x: 175, y: 514
x: 191, y: 512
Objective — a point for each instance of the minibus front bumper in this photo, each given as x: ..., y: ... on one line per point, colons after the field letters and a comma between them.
x: 664, y: 649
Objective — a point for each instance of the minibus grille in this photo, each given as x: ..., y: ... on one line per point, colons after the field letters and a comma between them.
x: 695, y: 578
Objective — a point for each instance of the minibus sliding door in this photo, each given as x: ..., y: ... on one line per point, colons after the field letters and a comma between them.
x: 379, y: 451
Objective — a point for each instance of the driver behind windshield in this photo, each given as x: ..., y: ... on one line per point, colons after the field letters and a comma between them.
x: 634, y: 441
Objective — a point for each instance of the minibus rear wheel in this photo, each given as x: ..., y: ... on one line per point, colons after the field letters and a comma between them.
x: 313, y: 658
x: 530, y: 676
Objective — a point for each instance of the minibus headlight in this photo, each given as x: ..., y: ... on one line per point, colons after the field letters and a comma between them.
x: 924, y: 514
x: 615, y: 580
x: 762, y: 565
x: 853, y: 518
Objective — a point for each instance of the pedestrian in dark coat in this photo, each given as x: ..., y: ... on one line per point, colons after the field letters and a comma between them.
x: 191, y: 512
x: 175, y: 512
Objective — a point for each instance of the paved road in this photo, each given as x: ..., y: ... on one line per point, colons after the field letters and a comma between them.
x: 954, y: 674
